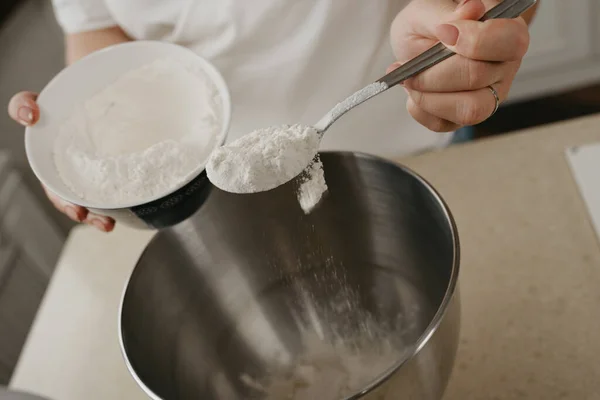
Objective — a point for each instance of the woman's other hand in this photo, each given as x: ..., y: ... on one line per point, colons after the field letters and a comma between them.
x: 24, y: 110
x: 457, y: 92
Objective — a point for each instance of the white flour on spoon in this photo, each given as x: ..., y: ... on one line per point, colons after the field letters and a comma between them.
x: 269, y: 157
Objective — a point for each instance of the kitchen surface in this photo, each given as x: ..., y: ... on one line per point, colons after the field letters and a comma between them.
x: 525, y: 196
x: 529, y: 278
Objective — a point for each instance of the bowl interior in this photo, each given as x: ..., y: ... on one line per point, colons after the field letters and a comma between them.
x: 85, y: 78
x: 239, y: 289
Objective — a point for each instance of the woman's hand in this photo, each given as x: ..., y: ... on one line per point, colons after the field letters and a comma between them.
x: 457, y: 92
x: 24, y: 109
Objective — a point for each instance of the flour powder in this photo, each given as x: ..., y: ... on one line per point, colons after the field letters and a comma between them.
x: 267, y: 158
x: 141, y: 136
x: 333, y: 368
x: 326, y: 371
x: 313, y: 186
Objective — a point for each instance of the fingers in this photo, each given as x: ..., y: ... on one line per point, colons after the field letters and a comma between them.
x: 454, y: 93
x: 492, y: 40
x: 428, y: 120
x: 74, y: 212
x: 101, y: 222
x: 458, y: 74
x: 461, y: 108
x: 81, y: 214
x: 468, y: 9
x: 413, y: 29
x: 24, y: 109
x: 425, y: 15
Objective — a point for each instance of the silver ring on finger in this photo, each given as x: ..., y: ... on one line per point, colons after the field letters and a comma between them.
x: 496, y: 100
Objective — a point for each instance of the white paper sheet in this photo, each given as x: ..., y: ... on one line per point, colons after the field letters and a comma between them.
x: 585, y: 165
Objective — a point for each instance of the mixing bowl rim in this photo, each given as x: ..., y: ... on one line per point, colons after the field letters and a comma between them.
x: 431, y: 329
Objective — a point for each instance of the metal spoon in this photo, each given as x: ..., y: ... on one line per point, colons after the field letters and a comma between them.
x: 507, y: 9
x: 429, y: 58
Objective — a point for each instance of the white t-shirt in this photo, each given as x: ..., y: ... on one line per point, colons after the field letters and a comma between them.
x: 285, y: 61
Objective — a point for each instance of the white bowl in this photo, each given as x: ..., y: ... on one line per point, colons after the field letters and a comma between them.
x: 83, y: 79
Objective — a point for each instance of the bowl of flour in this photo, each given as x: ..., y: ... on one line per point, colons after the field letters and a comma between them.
x: 127, y: 132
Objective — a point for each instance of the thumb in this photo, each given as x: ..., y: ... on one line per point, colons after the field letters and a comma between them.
x: 24, y: 109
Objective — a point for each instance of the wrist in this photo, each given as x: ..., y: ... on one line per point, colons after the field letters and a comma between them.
x: 79, y: 45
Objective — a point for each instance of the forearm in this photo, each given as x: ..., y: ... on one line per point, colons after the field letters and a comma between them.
x: 79, y: 45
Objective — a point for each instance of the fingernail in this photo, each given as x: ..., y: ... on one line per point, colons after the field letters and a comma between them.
x: 110, y: 225
x: 98, y: 224
x: 448, y: 34
x: 25, y: 115
x: 72, y: 213
x: 463, y: 2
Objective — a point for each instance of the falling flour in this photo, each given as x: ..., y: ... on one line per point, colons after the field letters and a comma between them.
x: 340, y: 346
x: 140, y: 137
x: 313, y: 186
x: 326, y: 370
x: 269, y: 157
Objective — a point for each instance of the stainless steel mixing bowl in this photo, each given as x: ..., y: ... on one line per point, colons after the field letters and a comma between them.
x: 233, y: 291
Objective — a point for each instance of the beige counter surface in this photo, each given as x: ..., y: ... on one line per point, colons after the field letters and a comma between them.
x: 530, y: 277
x: 530, y: 281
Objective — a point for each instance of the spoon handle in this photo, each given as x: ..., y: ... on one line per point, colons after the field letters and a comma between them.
x: 508, y: 9
x: 438, y: 53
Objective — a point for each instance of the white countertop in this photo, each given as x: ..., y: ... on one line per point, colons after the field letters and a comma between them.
x: 73, y: 352
x: 530, y: 281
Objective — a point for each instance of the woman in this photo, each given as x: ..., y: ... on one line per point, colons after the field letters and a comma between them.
x: 290, y: 61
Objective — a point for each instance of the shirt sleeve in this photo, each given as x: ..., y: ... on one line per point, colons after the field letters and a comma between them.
x: 76, y: 16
